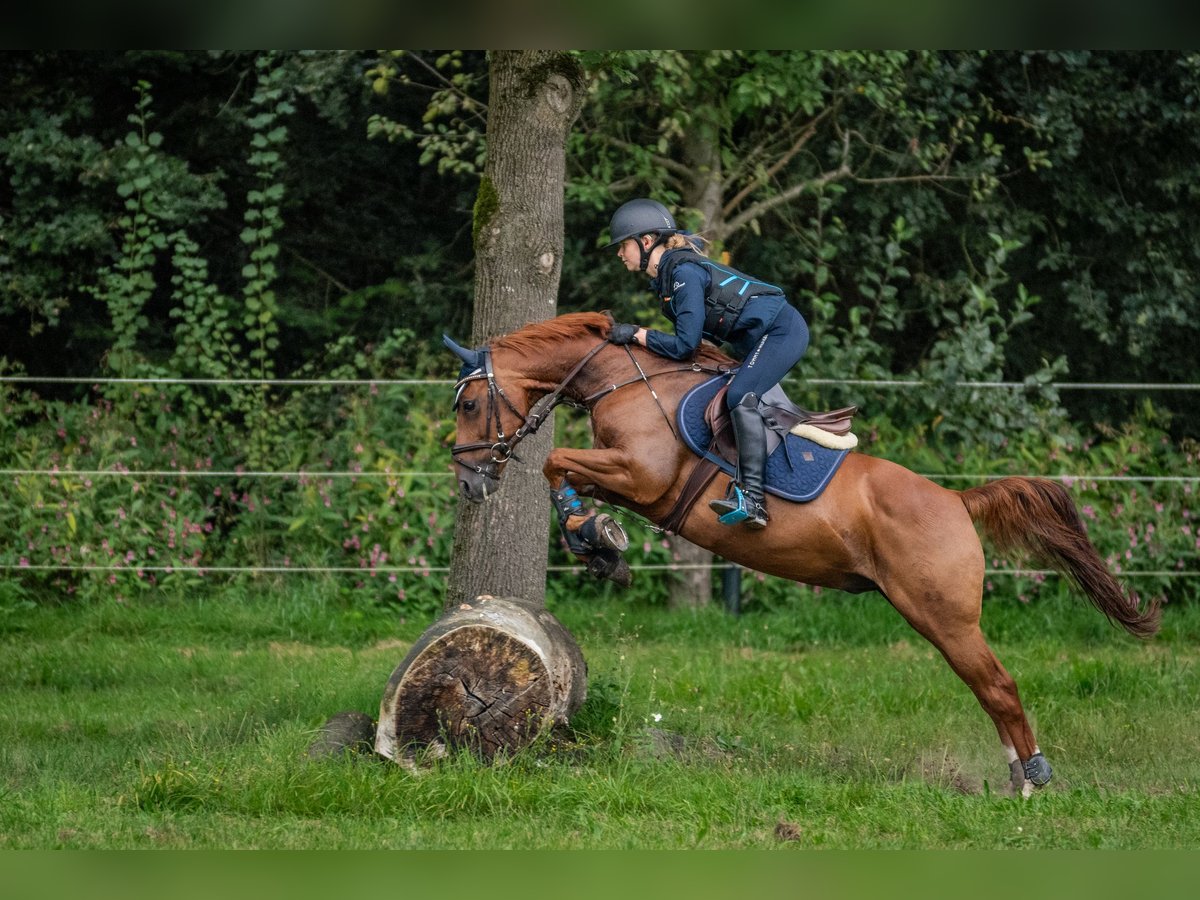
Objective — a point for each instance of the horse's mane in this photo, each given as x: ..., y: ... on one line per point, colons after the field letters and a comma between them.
x: 536, y: 337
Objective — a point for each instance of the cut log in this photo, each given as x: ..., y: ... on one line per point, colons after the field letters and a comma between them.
x: 489, y: 676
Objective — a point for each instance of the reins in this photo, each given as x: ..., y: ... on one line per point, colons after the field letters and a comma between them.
x: 502, y: 448
x: 653, y: 393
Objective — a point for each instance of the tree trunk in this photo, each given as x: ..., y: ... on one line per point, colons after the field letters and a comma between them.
x: 489, y: 676
x: 501, y: 547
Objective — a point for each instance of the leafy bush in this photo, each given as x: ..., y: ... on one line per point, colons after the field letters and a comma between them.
x: 156, y: 485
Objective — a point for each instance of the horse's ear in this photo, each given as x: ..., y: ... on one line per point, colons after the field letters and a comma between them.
x: 608, y: 315
x: 469, y: 357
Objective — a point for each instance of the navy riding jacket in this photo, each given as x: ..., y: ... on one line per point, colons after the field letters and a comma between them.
x: 770, y: 336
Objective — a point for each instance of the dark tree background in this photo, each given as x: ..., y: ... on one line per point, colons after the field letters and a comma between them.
x: 945, y: 216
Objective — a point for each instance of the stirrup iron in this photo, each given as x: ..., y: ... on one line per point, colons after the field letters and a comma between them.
x: 740, y: 506
x: 732, y: 508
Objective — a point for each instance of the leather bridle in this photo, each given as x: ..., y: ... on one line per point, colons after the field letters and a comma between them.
x: 503, y: 446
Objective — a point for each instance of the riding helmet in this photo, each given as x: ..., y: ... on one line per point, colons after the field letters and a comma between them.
x: 641, y: 216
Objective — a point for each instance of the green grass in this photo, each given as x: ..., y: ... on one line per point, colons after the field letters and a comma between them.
x: 179, y: 722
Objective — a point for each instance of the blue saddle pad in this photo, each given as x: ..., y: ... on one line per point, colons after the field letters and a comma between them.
x: 798, y: 469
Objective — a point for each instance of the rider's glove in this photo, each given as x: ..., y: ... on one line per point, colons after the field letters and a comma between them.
x: 623, y: 333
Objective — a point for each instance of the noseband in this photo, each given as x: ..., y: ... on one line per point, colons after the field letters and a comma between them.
x: 503, y: 446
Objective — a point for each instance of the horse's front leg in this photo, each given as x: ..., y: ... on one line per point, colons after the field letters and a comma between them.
x: 611, y: 469
x: 596, y: 538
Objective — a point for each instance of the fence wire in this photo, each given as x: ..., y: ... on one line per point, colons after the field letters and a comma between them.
x: 425, y: 571
x: 421, y: 382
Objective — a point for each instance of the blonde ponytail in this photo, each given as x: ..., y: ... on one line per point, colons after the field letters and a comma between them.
x: 687, y: 242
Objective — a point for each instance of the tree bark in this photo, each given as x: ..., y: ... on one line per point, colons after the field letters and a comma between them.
x: 489, y: 676
x: 501, y: 547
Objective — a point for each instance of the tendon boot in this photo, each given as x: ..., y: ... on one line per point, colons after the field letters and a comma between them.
x: 585, y: 533
x: 745, y: 501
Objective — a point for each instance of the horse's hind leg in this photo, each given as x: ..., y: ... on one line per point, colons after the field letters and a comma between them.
x: 975, y: 663
x: 950, y: 621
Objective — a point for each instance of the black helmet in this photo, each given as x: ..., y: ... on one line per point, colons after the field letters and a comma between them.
x: 637, y: 217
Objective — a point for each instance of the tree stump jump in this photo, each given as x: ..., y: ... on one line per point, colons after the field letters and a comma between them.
x: 489, y: 676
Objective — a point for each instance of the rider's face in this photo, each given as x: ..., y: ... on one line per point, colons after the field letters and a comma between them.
x: 630, y: 253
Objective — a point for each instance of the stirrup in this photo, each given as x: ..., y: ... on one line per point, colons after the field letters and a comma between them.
x: 737, y: 506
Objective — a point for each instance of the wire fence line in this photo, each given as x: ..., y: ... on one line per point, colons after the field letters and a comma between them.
x: 442, y: 570
x: 1067, y: 479
x: 210, y: 473
x: 262, y: 382
x: 421, y: 382
x: 426, y: 571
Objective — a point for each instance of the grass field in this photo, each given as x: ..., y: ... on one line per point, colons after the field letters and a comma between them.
x: 183, y: 723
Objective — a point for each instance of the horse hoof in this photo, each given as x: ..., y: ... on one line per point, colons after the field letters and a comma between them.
x: 1026, y: 777
x: 609, y: 533
x: 610, y: 565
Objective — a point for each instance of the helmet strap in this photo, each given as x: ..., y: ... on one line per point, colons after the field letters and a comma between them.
x: 659, y: 239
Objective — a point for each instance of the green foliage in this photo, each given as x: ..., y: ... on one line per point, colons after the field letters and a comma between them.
x: 122, y: 525
x: 137, y: 532
x: 939, y: 217
x: 454, y: 124
x: 46, y: 219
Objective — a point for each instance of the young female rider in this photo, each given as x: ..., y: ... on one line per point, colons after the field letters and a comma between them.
x: 703, y: 299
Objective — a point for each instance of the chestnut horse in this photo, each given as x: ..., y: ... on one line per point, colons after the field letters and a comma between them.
x: 877, y: 526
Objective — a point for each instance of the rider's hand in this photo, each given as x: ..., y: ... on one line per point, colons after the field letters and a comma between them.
x: 623, y: 333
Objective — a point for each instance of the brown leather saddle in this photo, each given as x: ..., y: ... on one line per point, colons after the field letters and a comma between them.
x: 781, y: 416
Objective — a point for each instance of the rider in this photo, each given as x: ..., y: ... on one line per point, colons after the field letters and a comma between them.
x: 704, y: 299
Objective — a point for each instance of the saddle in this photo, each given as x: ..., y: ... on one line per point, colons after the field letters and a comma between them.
x: 782, y: 417
x: 811, y: 445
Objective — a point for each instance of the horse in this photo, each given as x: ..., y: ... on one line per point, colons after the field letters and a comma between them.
x: 876, y: 526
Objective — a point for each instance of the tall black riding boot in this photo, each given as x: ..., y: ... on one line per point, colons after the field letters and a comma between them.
x: 750, y: 432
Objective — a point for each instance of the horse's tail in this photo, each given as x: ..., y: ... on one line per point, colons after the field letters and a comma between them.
x: 1039, y: 516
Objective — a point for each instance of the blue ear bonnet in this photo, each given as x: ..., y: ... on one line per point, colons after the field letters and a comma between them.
x: 472, y: 360
x: 467, y: 369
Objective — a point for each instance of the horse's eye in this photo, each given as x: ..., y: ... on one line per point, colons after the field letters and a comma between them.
x: 469, y: 406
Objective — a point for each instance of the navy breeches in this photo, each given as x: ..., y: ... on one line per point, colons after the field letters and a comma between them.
x: 771, y: 358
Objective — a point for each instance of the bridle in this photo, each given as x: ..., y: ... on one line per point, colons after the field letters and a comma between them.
x: 502, y: 448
